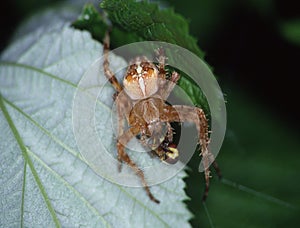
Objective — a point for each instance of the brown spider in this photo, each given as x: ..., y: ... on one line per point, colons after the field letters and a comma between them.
x: 146, y: 88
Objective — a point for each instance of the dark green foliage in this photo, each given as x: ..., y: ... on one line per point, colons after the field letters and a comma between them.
x: 92, y: 21
x: 151, y: 23
x: 197, y: 95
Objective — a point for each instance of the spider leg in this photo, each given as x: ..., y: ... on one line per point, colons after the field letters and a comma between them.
x: 217, y: 168
x: 161, y: 57
x: 166, y: 85
x: 169, y: 85
x: 181, y: 113
x: 123, y: 109
x: 108, y: 73
x: 206, y: 161
x: 124, y: 106
x: 169, y: 134
x: 123, y: 156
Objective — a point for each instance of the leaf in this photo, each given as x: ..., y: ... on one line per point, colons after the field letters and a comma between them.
x: 91, y: 20
x: 151, y: 23
x: 197, y: 95
x: 45, y: 182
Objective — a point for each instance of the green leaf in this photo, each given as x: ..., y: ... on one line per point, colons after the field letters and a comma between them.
x: 195, y: 93
x: 44, y: 180
x: 151, y: 23
x: 91, y: 20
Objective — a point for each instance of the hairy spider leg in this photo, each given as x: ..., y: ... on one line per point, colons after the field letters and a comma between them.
x: 123, y: 156
x: 108, y: 73
x: 182, y: 113
x: 217, y: 169
x: 166, y: 85
x: 124, y: 106
x: 161, y: 58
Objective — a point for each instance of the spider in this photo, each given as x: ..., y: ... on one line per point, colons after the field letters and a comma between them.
x: 141, y: 99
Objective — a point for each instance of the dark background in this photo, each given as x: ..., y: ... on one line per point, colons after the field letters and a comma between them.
x: 245, y: 46
x: 257, y: 66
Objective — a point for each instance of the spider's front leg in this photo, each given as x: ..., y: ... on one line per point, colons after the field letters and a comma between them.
x: 123, y: 106
x: 182, y: 113
x: 166, y: 85
x: 123, y: 109
x: 108, y: 73
x: 124, y: 157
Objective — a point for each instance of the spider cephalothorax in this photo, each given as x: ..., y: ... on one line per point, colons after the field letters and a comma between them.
x: 141, y: 79
x: 142, y: 102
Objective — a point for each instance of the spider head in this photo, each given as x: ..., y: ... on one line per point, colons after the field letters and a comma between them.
x: 141, y: 80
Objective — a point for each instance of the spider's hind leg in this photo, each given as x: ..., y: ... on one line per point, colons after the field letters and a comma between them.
x: 207, y: 159
x: 217, y: 169
x: 182, y: 113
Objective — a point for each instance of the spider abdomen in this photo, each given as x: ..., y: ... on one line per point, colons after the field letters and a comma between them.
x: 146, y: 113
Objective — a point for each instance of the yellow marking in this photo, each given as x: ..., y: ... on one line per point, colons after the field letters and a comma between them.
x: 174, y: 153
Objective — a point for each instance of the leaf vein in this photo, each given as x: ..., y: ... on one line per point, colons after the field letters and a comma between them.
x: 68, y: 185
x: 28, y: 160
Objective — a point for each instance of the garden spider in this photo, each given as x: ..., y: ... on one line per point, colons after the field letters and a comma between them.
x: 142, y: 102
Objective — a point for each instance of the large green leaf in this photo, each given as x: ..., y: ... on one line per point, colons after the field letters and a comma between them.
x: 44, y: 180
